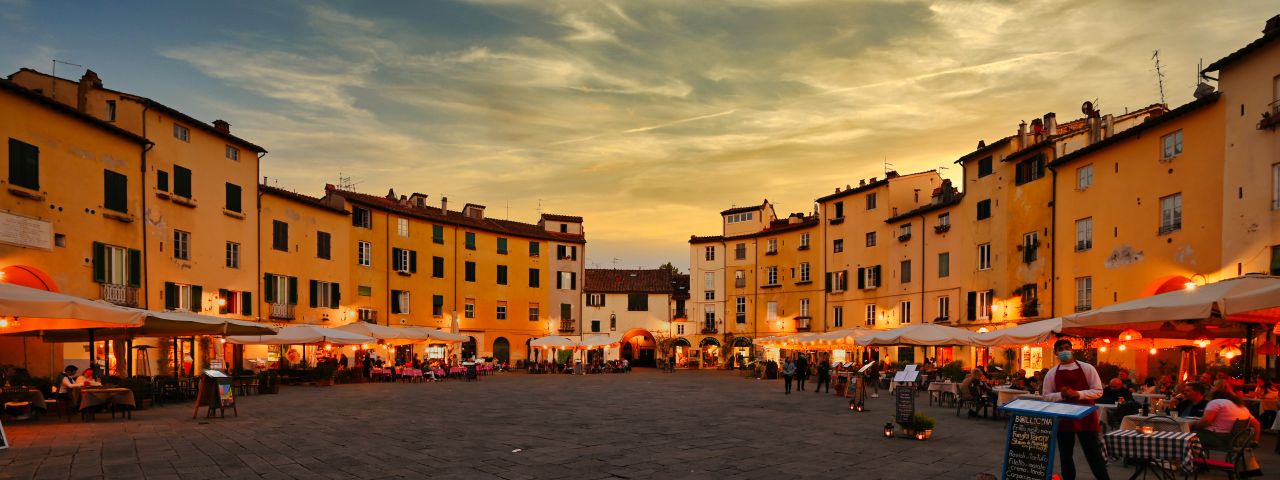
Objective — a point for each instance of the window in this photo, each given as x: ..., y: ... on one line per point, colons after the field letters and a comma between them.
x: 469, y: 271
x: 709, y: 253
x: 566, y: 311
x: 324, y: 244
x: 24, y: 164
x: 535, y: 278
x: 944, y: 221
x: 233, y: 153
x: 869, y: 276
x: 772, y: 246
x: 181, y: 133
x: 740, y: 251
x: 471, y: 241
x: 771, y: 273
x: 839, y: 281
x: 181, y: 245
x: 437, y: 234
x: 534, y: 312
x: 637, y: 302
x: 984, y: 256
x: 804, y: 237
x: 870, y: 319
x: 502, y: 245
x: 1084, y: 177
x: 469, y: 308
x: 904, y: 312
x: 1171, y: 213
x: 771, y: 311
x: 740, y: 310
x: 404, y: 261
x: 437, y: 306
x: 399, y: 301
x: 178, y: 296
x: 364, y: 253
x: 871, y: 239
x: 739, y: 279
x: 111, y: 110
x: 837, y: 245
x: 871, y: 201
x: 595, y: 326
x: 502, y: 274
x: 1172, y: 145
x: 367, y: 315
x: 905, y: 271
x: 982, y: 303
x: 564, y: 228
x: 1030, y: 244
x: 709, y: 286
x: 567, y: 281
x: 567, y: 252
x: 1029, y: 169
x: 944, y: 264
x: 115, y: 191
x: 162, y: 180
x: 237, y: 303
x: 364, y: 291
x: 984, y: 167
x: 613, y: 322
x: 837, y: 316
x: 402, y: 227
x: 114, y: 265
x: 233, y: 198
x: 804, y: 307
x: 1084, y: 234
x: 740, y: 217
x: 280, y: 290
x: 595, y: 299
x: 839, y: 209
x: 709, y: 317
x: 904, y: 231
x: 1084, y: 293
x: 361, y: 217
x: 1275, y: 187
x: 984, y: 209
x: 680, y: 329
x: 279, y: 236
x: 502, y: 310
x: 324, y: 294
x: 535, y: 249
x: 233, y: 255
x: 181, y: 181
x: 804, y: 271
x: 944, y: 308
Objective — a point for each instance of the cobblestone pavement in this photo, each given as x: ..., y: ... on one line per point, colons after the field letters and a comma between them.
x: 515, y: 426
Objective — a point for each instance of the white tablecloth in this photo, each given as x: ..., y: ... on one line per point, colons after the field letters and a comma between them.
x: 1183, y: 424
x: 1008, y: 394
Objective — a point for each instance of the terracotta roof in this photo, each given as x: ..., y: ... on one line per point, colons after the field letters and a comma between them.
x: 982, y: 151
x: 706, y: 239
x: 300, y: 198
x: 953, y: 199
x: 67, y: 110
x: 1267, y: 37
x: 186, y: 119
x: 433, y: 214
x: 775, y: 227
x: 1139, y: 128
x: 734, y: 210
x: 561, y: 218
x: 601, y: 280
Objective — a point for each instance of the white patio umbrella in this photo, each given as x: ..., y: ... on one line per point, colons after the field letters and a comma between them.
x: 1249, y: 299
x: 599, y: 341
x: 554, y: 341
x: 443, y: 336
x: 386, y: 333
x: 167, y: 324
x: 841, y: 338
x: 25, y: 309
x: 1025, y: 334
x: 304, y: 335
x: 925, y: 334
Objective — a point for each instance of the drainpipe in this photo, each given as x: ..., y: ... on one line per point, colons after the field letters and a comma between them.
x: 258, y: 246
x: 1053, y: 243
x: 146, y: 302
x: 387, y: 229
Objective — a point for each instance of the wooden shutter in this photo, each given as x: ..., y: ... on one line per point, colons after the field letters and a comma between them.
x: 162, y: 180
x: 135, y: 268
x: 335, y: 295
x: 99, y: 262
x: 115, y: 189
x: 293, y: 290
x: 573, y: 253
x: 225, y: 295
x: 246, y: 303
x: 269, y: 288
x: 396, y: 264
x: 197, y: 297
x: 413, y: 261
x: 315, y: 294
x: 573, y: 280
x: 559, y: 280
x: 233, y: 197
x: 395, y: 301
x: 24, y: 164
x: 971, y: 310
x: 170, y: 296
x: 862, y: 278
x: 535, y: 278
x: 876, y: 274
x: 828, y: 283
x: 181, y: 181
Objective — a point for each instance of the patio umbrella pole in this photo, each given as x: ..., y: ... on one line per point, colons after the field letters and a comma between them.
x: 1248, y: 352
x: 128, y: 357
x: 93, y: 352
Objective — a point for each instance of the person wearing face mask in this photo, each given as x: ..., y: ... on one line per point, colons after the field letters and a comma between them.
x: 1077, y: 383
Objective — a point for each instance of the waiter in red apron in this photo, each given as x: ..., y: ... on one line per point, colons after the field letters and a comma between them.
x: 1077, y: 383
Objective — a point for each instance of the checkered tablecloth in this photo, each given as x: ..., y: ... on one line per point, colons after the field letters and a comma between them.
x: 1178, y: 447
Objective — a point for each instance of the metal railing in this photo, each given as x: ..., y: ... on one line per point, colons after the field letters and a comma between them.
x: 803, y: 323
x: 567, y: 326
x: 123, y: 295
x: 282, y: 311
x: 709, y: 329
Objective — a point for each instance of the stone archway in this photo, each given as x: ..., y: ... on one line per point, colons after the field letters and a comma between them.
x: 1167, y: 283
x: 639, y: 348
x: 502, y: 349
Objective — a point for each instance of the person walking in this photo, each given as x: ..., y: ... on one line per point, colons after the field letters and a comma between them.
x: 788, y: 371
x: 802, y: 371
x: 1077, y: 383
x: 824, y: 376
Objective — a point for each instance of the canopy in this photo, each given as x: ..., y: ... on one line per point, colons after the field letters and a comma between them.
x: 598, y: 341
x: 554, y: 341
x: 1025, y: 334
x: 437, y: 335
x: 846, y: 337
x: 167, y: 324
x: 304, y: 335
x: 385, y: 333
x: 31, y: 309
x: 926, y: 334
x: 1251, y: 298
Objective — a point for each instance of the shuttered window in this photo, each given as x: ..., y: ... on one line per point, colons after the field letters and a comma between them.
x: 323, y: 245
x: 24, y: 164
x: 181, y: 181
x: 115, y: 189
x: 233, y: 198
x: 470, y: 272
x: 279, y: 235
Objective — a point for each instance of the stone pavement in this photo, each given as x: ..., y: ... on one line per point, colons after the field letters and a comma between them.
x: 646, y: 424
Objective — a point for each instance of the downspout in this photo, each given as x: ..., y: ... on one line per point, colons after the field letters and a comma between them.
x: 1053, y: 243
x: 923, y: 276
x: 258, y: 247
x: 822, y: 248
x: 387, y: 229
x: 146, y: 302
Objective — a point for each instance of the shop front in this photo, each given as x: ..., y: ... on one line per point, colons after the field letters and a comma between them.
x: 710, y: 352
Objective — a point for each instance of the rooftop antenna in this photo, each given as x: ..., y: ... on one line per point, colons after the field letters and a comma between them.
x: 615, y: 263
x: 887, y: 166
x: 1159, y: 74
x: 54, y: 74
x: 345, y: 183
x: 508, y: 207
x: 539, y: 207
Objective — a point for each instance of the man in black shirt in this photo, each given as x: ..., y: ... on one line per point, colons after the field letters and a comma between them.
x: 1193, y: 401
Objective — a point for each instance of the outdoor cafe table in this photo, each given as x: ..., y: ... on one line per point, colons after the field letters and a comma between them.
x: 412, y: 373
x: 33, y: 396
x: 1178, y: 448
x: 92, y: 397
x: 939, y: 390
x: 1183, y: 424
x: 1007, y: 394
x: 1148, y: 397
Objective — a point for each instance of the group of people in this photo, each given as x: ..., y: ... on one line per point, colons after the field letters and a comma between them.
x: 799, y: 368
x: 68, y: 379
x: 595, y: 366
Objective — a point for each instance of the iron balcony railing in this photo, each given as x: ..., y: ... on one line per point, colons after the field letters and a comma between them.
x: 803, y: 323
x: 282, y: 311
x: 566, y: 326
x: 123, y: 295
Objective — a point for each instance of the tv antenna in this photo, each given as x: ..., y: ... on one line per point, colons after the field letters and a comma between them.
x: 1159, y: 74
x: 54, y: 73
x: 507, y: 204
x: 888, y: 167
x: 615, y: 262
x: 345, y: 183
x: 539, y: 207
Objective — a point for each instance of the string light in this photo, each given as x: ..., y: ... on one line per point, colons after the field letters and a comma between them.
x: 1121, y: 348
x: 1152, y: 351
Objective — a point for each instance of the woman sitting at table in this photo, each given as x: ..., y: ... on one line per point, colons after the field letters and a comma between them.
x: 1268, y: 395
x: 1215, y: 427
x: 88, y: 380
x: 68, y: 380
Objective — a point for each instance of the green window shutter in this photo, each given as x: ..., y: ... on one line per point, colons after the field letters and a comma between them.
x: 395, y: 301
x: 396, y: 264
x: 293, y: 290
x: 99, y: 262
x: 413, y: 261
x: 535, y: 249
x: 315, y: 293
x: 233, y: 197
x: 170, y: 295
x: 162, y: 180
x: 573, y: 280
x: 862, y: 282
x: 181, y: 181
x: 225, y: 295
x: 335, y: 295
x: 535, y: 278
x: 269, y: 288
x: 437, y: 234
x: 24, y: 164
x: 197, y: 297
x: 135, y: 268
x: 246, y: 303
x: 828, y: 282
x: 437, y: 267
x: 971, y: 310
x: 115, y: 188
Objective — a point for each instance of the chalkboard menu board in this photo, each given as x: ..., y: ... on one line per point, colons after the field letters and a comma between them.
x: 4, y: 441
x: 1028, y: 454
x: 905, y: 401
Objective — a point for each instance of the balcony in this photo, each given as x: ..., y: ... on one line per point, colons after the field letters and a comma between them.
x: 122, y: 295
x: 1031, y: 309
x: 567, y: 326
x: 709, y: 330
x: 942, y: 320
x: 904, y: 237
x: 803, y: 323
x: 1083, y: 308
x: 281, y: 311
x: 941, y: 228
x: 739, y: 283
x: 1270, y: 117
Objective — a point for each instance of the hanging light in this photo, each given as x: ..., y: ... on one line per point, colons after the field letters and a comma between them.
x: 1201, y: 336
x: 1189, y: 285
x: 1130, y: 335
x: 1230, y: 352
x: 1102, y: 349
x: 1152, y: 351
x: 5, y: 322
x: 983, y: 330
x: 1121, y: 347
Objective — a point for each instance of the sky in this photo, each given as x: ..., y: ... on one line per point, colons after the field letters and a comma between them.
x: 645, y: 117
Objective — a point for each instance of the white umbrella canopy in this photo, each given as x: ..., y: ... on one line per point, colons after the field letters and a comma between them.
x: 599, y: 341
x: 436, y: 335
x: 554, y: 341
x: 925, y: 334
x: 846, y: 337
x: 167, y: 324
x: 29, y: 309
x: 386, y: 333
x: 1251, y: 298
x: 1259, y: 303
x: 304, y: 335
x: 1025, y: 334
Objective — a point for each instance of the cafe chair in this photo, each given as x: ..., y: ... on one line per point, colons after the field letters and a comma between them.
x: 1233, y: 464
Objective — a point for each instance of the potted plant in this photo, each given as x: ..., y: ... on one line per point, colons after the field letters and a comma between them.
x: 924, y: 424
x: 322, y: 375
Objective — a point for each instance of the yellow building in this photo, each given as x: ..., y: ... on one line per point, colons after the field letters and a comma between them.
x: 71, y: 211
x: 305, y: 261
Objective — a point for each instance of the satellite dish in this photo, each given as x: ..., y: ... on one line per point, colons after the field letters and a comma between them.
x: 1087, y: 108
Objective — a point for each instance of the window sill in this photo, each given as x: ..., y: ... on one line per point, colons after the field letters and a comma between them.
x: 403, y: 274
x: 771, y: 253
x: 837, y: 220
x: 1169, y: 231
x: 803, y: 247
x: 117, y: 216
x: 234, y: 214
x: 26, y: 193
x: 771, y: 285
x: 804, y: 282
x: 184, y: 201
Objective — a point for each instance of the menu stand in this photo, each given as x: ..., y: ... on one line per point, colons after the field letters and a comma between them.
x: 216, y: 394
x: 1033, y: 435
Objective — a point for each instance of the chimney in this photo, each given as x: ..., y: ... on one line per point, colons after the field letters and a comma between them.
x: 88, y: 82
x: 444, y: 204
x: 391, y: 194
x: 1022, y: 135
x: 1272, y: 25
x: 873, y: 180
x: 862, y: 182
x: 474, y: 211
x: 1095, y: 127
x: 1051, y: 124
x: 982, y: 144
x: 328, y: 187
x: 1108, y: 126
x: 222, y: 126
